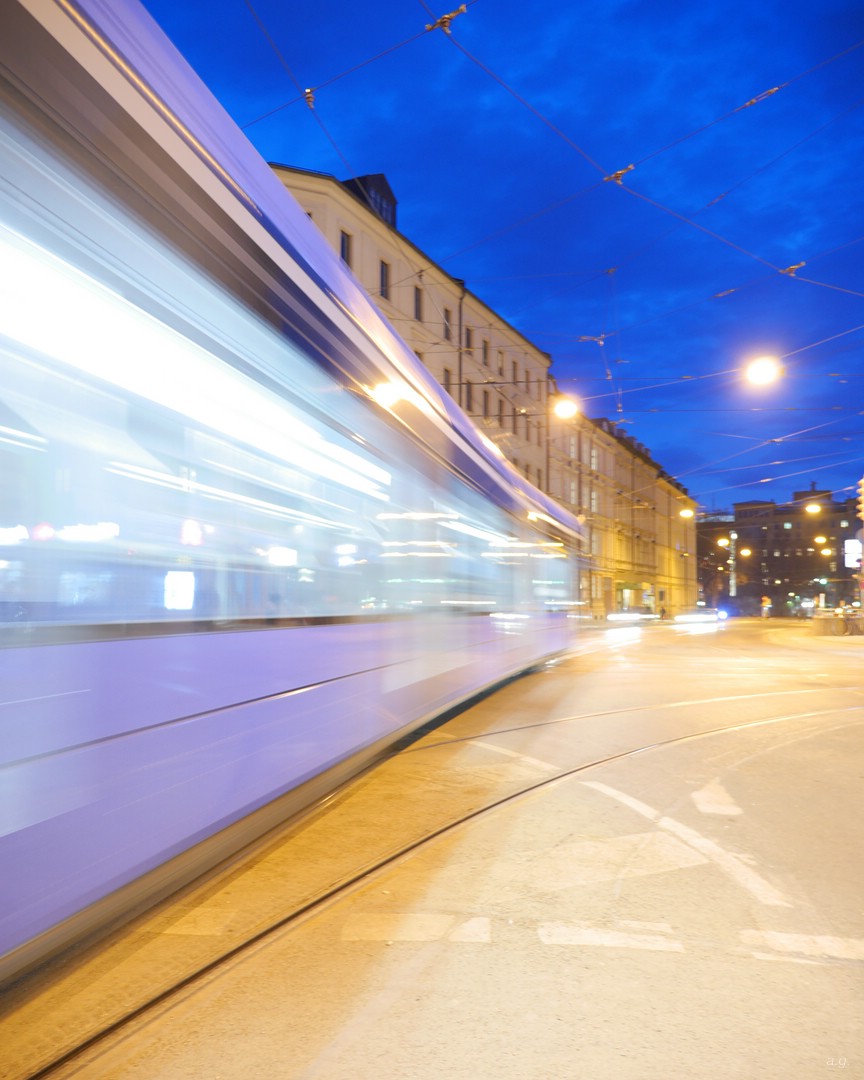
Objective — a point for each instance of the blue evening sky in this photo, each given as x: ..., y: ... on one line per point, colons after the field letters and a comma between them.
x: 650, y: 294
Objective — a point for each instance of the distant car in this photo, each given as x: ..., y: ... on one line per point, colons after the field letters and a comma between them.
x: 701, y: 615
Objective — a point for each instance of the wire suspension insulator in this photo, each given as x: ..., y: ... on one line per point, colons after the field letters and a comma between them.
x: 443, y: 23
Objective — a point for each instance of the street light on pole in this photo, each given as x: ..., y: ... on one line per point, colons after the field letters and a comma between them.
x: 763, y: 371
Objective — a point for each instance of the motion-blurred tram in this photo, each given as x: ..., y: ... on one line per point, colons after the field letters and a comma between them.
x: 231, y: 571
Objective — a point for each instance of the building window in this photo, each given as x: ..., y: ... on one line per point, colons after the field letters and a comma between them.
x: 515, y: 373
x: 500, y: 361
x: 594, y: 502
x: 572, y: 499
x: 485, y: 353
x: 345, y: 247
x: 539, y: 478
x: 384, y: 279
x: 500, y: 413
x: 485, y: 404
x: 448, y: 324
x: 447, y: 380
x: 418, y: 303
x: 469, y: 340
x: 469, y: 396
x: 787, y: 524
x: 593, y: 459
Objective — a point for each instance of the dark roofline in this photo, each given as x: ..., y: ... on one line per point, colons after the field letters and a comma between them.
x: 457, y: 282
x: 636, y: 448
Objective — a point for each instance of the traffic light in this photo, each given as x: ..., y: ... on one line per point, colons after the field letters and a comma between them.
x: 861, y: 498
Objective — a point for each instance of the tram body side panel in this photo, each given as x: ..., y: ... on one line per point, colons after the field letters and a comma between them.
x: 174, y: 446
x: 139, y: 749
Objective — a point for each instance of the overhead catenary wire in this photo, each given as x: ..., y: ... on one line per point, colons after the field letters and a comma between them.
x: 756, y: 100
x: 617, y: 176
x: 444, y: 21
x: 307, y: 94
x: 611, y: 331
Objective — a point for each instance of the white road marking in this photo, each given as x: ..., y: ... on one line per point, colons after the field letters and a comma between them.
x: 585, y: 862
x: 555, y: 933
x: 776, y: 958
x: 544, y: 766
x: 715, y: 799
x: 818, y: 945
x: 729, y: 863
x: 638, y: 924
x: 423, y: 928
x: 404, y: 926
x: 478, y: 930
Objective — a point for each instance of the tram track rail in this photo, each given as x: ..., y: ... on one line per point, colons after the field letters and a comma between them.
x: 379, y: 863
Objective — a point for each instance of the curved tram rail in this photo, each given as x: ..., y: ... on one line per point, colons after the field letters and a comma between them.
x: 348, y: 811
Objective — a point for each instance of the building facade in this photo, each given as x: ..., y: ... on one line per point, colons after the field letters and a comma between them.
x: 792, y: 558
x: 639, y: 551
x: 639, y: 522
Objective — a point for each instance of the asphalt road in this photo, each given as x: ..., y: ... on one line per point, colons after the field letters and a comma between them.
x: 670, y: 885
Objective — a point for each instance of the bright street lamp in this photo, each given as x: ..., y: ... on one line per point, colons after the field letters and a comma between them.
x: 565, y: 408
x: 764, y: 370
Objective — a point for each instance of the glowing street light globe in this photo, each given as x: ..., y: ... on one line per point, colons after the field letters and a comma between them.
x: 565, y: 408
x: 763, y: 371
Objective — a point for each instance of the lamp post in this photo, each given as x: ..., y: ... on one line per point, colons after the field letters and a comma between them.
x: 731, y: 544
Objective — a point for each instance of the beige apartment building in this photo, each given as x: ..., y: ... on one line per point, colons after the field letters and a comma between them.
x: 639, y: 522
x: 640, y: 551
